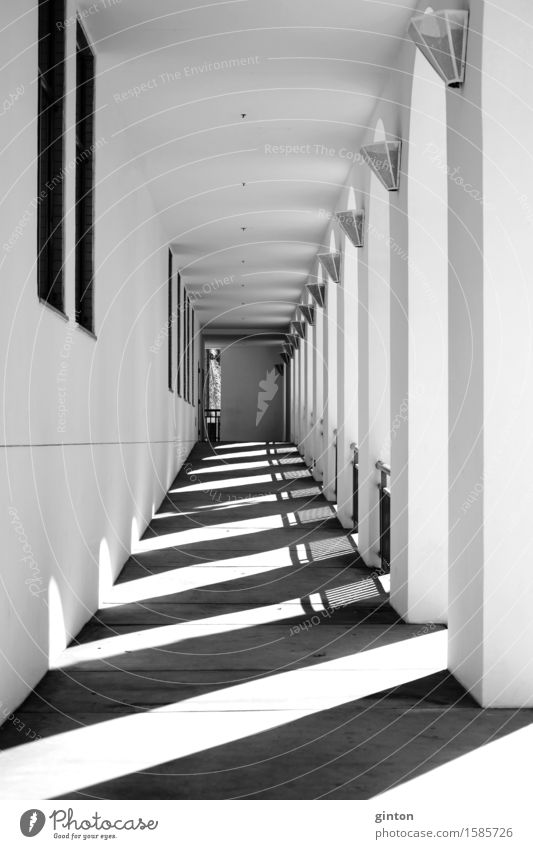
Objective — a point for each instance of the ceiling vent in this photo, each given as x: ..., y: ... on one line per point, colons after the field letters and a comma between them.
x: 352, y: 223
x: 318, y: 293
x: 331, y: 263
x: 308, y: 313
x: 384, y: 159
x: 441, y: 37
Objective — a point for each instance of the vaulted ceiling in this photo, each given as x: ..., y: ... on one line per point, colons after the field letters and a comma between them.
x: 246, y: 116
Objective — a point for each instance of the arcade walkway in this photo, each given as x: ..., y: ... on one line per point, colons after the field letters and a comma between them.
x: 244, y: 652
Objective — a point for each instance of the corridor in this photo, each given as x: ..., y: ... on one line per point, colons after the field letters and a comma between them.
x: 244, y: 652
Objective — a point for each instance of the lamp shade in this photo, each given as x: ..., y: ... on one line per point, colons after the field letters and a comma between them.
x: 308, y: 313
x: 298, y: 327
x: 352, y: 223
x: 293, y: 340
x: 441, y: 37
x: 384, y: 159
x: 317, y: 292
x: 331, y: 263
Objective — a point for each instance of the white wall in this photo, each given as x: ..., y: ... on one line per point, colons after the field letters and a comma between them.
x: 92, y: 437
x: 244, y: 367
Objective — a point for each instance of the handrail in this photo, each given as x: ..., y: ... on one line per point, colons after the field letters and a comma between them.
x: 384, y: 516
x: 355, y: 486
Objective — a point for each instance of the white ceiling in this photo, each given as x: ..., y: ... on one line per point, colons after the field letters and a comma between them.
x: 312, y: 71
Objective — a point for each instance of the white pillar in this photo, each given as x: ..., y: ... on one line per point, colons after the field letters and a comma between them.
x: 297, y: 397
x: 419, y: 361
x: 308, y: 343
x: 490, y: 144
x: 374, y: 368
x: 318, y: 376
x: 347, y: 383
x: 303, y: 395
x: 329, y: 425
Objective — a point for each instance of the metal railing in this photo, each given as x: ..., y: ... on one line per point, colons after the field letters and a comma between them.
x: 355, y: 486
x: 212, y: 424
x: 384, y: 516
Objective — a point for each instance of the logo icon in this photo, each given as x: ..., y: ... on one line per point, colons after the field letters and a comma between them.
x: 32, y: 822
x: 267, y: 390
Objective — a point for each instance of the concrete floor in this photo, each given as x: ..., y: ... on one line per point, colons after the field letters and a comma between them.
x: 245, y: 652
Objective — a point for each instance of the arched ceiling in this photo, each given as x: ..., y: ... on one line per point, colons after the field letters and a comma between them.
x: 273, y: 94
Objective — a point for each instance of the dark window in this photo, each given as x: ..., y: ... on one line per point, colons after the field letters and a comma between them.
x: 193, y: 368
x: 50, y: 130
x: 187, y: 351
x: 84, y: 181
x: 170, y: 321
x: 180, y: 336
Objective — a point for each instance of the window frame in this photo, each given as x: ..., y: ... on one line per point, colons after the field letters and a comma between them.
x: 193, y: 387
x: 51, y: 154
x: 170, y: 322
x: 179, y: 346
x: 187, y: 349
x: 84, y: 208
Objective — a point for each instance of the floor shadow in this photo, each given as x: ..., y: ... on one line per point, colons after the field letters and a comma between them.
x: 269, y: 652
x: 353, y: 751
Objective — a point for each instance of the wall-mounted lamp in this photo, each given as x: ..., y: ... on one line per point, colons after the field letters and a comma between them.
x: 293, y: 341
x: 298, y: 328
x: 317, y: 292
x: 441, y: 37
x: 308, y: 313
x: 384, y: 159
x: 331, y: 263
x: 285, y: 357
x: 352, y: 223
x: 279, y: 368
